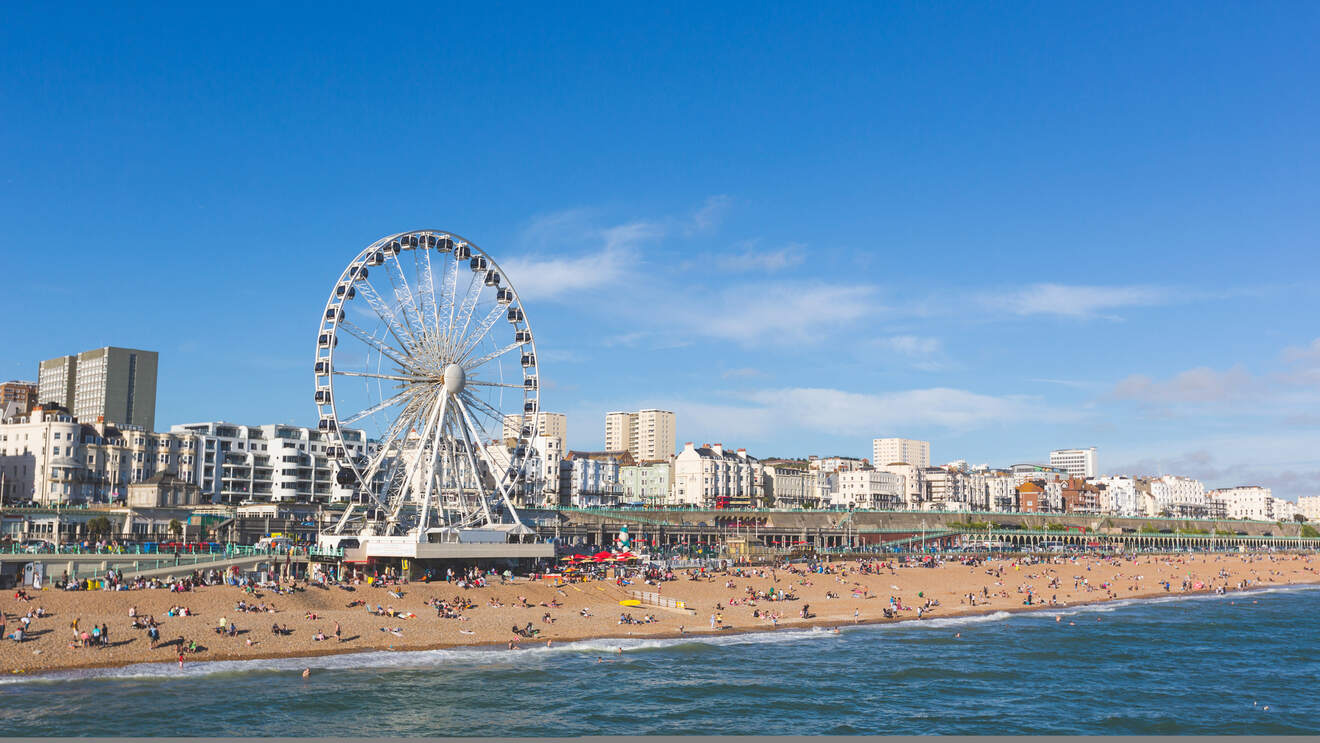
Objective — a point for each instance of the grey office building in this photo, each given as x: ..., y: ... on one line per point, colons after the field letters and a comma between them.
x: 117, y: 385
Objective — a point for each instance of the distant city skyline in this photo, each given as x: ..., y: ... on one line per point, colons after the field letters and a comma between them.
x: 900, y: 223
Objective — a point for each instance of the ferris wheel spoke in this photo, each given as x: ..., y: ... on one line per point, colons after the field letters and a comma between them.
x: 378, y: 376
x: 386, y: 314
x: 368, y: 339
x: 486, y: 409
x: 479, y: 334
x: 477, y: 363
x: 402, y: 396
x: 505, y: 385
x: 425, y: 285
x: 403, y: 296
x: 449, y: 296
x: 501, y: 480
x: 465, y: 311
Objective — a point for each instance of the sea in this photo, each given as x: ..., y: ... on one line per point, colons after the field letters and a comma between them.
x: 1244, y: 663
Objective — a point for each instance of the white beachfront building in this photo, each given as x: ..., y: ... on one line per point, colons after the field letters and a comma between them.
x: 1119, y: 495
x: 1246, y: 502
x: 871, y: 489
x: 1182, y: 497
x: 709, y: 475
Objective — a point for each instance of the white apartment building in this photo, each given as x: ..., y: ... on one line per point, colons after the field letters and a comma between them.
x: 823, y: 487
x: 870, y: 489
x: 914, y: 489
x: 50, y: 457
x: 1246, y: 502
x: 1285, y: 510
x: 979, y: 486
x: 1182, y: 497
x: 1119, y: 496
x: 836, y: 464
x: 907, y: 451
x: 786, y: 487
x: 648, y: 483
x: 110, y: 384
x: 551, y: 425
x: 944, y: 486
x: 593, y: 480
x: 1309, y: 506
x: 272, y: 463
x: 708, y: 476
x: 649, y: 435
x: 55, y: 381
x: 1076, y: 462
x: 543, y: 466
x: 1000, y: 491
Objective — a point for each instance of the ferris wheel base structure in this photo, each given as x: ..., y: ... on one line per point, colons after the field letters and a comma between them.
x: 427, y: 389
x: 379, y: 550
x: 461, y: 544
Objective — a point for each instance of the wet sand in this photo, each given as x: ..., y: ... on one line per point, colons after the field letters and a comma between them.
x: 998, y: 585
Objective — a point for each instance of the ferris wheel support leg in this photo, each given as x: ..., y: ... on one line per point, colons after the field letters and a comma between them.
x: 500, y: 485
x: 424, y: 519
x: 472, y: 461
x: 411, y: 474
x: 343, y: 520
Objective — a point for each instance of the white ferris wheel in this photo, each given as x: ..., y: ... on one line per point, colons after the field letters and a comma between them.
x: 424, y: 347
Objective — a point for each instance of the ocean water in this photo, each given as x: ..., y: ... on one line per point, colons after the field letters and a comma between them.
x: 1197, y: 665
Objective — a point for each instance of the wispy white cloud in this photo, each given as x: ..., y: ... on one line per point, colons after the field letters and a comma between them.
x: 709, y: 215
x: 748, y: 255
x: 566, y: 253
x: 549, y: 278
x: 862, y: 414
x: 1199, y: 385
x: 773, y: 313
x: 1077, y: 301
x: 1308, y: 354
x: 910, y: 345
x: 1074, y: 383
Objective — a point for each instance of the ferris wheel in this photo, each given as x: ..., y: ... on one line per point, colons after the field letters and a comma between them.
x: 427, y: 387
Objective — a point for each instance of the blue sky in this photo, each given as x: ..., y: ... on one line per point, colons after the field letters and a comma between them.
x: 1004, y: 229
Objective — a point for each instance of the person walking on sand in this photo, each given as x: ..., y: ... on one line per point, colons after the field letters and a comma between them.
x: 338, y: 632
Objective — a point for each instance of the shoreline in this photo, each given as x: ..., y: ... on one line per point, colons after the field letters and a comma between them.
x: 699, y: 634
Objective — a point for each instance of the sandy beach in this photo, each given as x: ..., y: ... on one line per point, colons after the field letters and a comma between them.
x: 589, y: 610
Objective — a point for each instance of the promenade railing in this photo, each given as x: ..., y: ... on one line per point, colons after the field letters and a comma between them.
x: 220, y: 552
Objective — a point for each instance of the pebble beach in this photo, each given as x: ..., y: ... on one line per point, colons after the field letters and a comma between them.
x: 737, y: 600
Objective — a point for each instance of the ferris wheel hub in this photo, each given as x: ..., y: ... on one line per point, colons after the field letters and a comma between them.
x: 455, y: 379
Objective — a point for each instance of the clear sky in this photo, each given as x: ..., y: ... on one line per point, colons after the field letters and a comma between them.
x: 1005, y: 228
